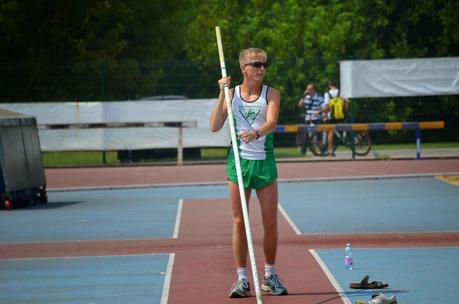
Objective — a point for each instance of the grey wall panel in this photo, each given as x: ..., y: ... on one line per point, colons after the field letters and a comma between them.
x: 20, y: 154
x: 14, y: 163
x: 33, y: 156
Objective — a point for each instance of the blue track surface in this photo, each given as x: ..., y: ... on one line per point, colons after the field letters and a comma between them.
x: 364, y: 206
x: 368, y: 206
x: 415, y: 275
x: 110, y: 279
x: 101, y: 215
x: 346, y: 207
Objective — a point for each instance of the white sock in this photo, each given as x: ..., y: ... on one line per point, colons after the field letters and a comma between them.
x: 242, y: 273
x: 269, y: 270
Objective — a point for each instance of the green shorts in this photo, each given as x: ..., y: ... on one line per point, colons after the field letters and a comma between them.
x: 255, y: 173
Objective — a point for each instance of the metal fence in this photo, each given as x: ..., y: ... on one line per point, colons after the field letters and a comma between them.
x: 133, y: 80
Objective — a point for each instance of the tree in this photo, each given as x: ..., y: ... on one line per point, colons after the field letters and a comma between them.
x: 59, y: 50
x: 56, y: 49
x: 305, y: 42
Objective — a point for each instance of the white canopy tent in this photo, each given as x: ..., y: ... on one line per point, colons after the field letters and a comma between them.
x: 399, y: 77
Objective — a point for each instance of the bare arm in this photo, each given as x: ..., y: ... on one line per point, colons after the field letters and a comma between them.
x: 301, y: 101
x: 324, y: 106
x: 272, y: 114
x: 219, y: 113
x: 347, y: 105
x: 323, y: 109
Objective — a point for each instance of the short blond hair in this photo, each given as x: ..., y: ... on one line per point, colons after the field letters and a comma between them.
x: 249, y: 53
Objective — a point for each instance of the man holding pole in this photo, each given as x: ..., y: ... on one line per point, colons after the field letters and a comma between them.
x: 256, y: 109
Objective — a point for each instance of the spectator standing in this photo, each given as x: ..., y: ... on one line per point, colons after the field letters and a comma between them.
x: 312, y: 103
x: 337, y: 107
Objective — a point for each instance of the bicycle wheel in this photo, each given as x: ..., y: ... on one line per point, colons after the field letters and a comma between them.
x: 337, y: 140
x: 362, y: 143
x: 302, y: 143
x: 317, y: 145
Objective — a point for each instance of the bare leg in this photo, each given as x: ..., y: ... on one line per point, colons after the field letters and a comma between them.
x: 267, y: 196
x: 330, y: 141
x: 239, y: 237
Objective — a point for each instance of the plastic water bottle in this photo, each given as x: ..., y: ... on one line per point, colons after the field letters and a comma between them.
x: 348, y: 262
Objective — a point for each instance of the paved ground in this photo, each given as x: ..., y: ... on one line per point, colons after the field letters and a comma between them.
x: 137, y: 235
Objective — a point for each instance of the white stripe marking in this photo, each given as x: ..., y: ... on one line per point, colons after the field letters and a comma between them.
x: 178, y: 218
x: 289, y: 220
x: 330, y: 277
x: 364, y: 177
x: 167, y: 279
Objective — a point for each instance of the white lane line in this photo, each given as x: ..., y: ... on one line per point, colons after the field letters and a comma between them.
x: 178, y: 218
x: 364, y: 177
x: 289, y: 220
x: 330, y: 277
x: 167, y: 279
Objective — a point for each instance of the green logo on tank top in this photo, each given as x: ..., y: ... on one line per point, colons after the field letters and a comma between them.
x: 250, y: 114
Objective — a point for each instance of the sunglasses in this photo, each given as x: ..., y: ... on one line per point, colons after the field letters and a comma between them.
x: 257, y: 64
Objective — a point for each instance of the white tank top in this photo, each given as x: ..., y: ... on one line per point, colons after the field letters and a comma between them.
x: 250, y: 116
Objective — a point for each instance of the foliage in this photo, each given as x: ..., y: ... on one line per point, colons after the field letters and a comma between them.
x: 126, y: 49
x: 57, y: 50
x: 306, y: 40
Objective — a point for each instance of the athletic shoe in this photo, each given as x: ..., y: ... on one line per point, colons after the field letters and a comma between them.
x: 382, y: 299
x: 273, y: 285
x: 240, y: 289
x: 379, y: 299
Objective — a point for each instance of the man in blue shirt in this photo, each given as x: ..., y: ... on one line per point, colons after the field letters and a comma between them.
x: 312, y: 103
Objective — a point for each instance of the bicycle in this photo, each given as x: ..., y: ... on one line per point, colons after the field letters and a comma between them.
x: 304, y: 136
x: 361, y: 142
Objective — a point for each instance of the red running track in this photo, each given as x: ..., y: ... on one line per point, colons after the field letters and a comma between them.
x: 161, y: 175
